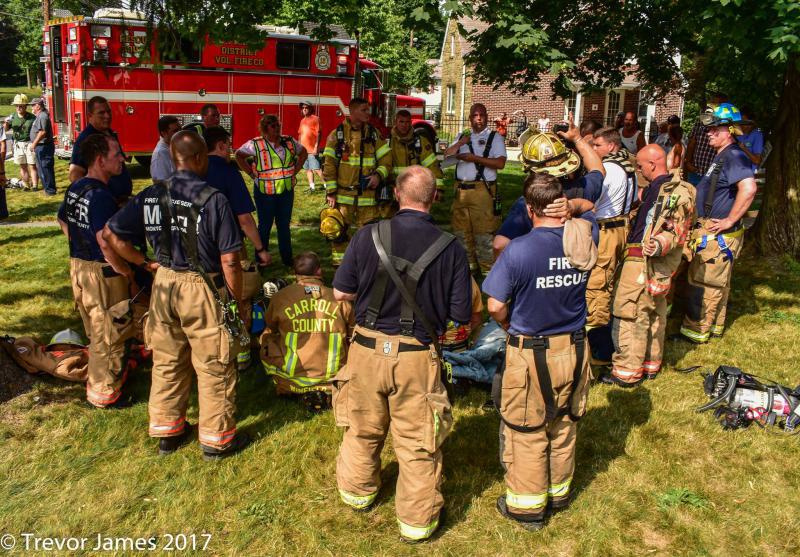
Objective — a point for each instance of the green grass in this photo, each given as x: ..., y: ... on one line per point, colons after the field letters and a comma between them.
x: 7, y: 96
x: 652, y: 476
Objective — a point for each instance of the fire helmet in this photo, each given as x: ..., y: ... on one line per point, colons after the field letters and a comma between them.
x: 331, y: 224
x: 546, y: 153
x: 20, y: 99
x: 724, y: 114
x: 67, y: 336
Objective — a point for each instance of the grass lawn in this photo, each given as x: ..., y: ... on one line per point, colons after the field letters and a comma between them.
x: 653, y: 477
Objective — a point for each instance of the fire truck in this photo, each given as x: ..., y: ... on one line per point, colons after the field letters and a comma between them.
x: 109, y: 54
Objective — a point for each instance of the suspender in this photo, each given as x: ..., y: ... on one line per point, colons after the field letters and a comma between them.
x: 389, y: 267
x: 630, y: 184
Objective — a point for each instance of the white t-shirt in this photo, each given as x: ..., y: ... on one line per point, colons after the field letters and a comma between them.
x: 544, y: 124
x: 161, y: 165
x: 615, y: 188
x: 630, y: 142
x: 466, y: 170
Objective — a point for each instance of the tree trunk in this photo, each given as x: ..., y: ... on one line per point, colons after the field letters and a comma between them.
x: 777, y: 229
x: 28, y: 76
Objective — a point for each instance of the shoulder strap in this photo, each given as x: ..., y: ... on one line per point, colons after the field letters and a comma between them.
x: 708, y: 202
x: 165, y: 237
x: 486, y: 150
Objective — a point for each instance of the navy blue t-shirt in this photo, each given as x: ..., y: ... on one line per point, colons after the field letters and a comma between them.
x: 518, y: 222
x: 589, y: 186
x: 444, y: 290
x: 120, y: 186
x: 227, y: 179
x: 546, y: 296
x: 218, y: 231
x: 644, y: 215
x: 86, y: 215
x: 736, y: 168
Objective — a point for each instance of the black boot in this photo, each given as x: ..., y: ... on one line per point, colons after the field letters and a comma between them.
x: 531, y: 525
x: 239, y: 442
x: 168, y: 445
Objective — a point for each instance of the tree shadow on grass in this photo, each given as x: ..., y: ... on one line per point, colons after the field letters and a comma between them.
x: 16, y: 237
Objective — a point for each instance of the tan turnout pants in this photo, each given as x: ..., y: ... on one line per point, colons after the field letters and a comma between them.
x: 639, y: 326
x: 251, y: 284
x: 540, y: 464
x: 99, y: 301
x: 601, y: 279
x: 474, y: 223
x: 709, y: 282
x: 355, y: 217
x: 184, y: 330
x: 381, y: 390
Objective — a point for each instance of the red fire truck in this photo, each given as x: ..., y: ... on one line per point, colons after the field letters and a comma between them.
x: 100, y: 55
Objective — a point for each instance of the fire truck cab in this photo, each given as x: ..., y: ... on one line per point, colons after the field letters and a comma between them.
x: 110, y: 54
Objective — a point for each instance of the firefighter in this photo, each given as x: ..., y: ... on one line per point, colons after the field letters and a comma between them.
x: 537, y: 292
x: 209, y: 117
x: 19, y: 124
x: 305, y: 340
x: 409, y: 148
x: 276, y: 160
x: 652, y: 254
x: 392, y: 380
x: 723, y: 197
x: 198, y: 282
x: 356, y: 161
x: 101, y: 279
x: 478, y: 154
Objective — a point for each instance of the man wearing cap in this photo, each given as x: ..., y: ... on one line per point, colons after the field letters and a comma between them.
x: 305, y: 340
x: 478, y: 154
x: 20, y: 125
x: 43, y: 147
x: 723, y: 197
x: 308, y: 133
x: 99, y: 116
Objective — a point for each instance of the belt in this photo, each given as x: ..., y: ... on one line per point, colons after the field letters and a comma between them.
x: 614, y: 222
x: 530, y: 343
x: 473, y: 185
x: 735, y: 228
x: 109, y: 272
x: 369, y: 342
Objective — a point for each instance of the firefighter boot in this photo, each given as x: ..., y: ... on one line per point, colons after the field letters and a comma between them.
x: 168, y: 445
x: 239, y: 442
x: 526, y: 522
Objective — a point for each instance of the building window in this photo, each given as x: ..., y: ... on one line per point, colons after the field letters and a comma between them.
x: 293, y: 56
x: 644, y: 100
x: 452, y: 46
x: 451, y: 99
x: 570, y: 103
x: 613, y: 103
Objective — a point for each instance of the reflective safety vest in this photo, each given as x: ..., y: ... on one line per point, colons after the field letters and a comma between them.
x: 274, y: 174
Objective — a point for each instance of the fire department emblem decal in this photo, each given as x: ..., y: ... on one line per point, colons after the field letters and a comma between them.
x: 387, y: 348
x: 323, y: 59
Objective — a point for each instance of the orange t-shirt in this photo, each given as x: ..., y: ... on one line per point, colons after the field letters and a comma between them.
x: 309, y: 133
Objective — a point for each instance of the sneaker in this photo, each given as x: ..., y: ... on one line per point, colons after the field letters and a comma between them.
x: 612, y: 380
x: 168, y: 445
x: 15, y: 183
x: 527, y: 524
x: 239, y: 442
x: 410, y: 541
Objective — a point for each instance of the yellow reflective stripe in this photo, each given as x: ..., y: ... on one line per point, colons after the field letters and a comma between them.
x: 417, y: 532
x: 694, y: 335
x: 299, y: 381
x: 357, y: 501
x: 243, y: 356
x: 350, y: 200
x: 717, y: 329
x: 357, y: 161
x: 331, y: 185
x: 334, y: 353
x: 383, y: 171
x: 439, y: 183
x: 527, y: 502
x: 429, y: 160
x: 382, y: 150
x: 329, y: 152
x: 290, y: 360
x: 559, y: 490
x: 396, y: 170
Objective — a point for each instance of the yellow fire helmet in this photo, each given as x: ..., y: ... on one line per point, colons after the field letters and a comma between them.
x: 20, y: 99
x: 331, y: 224
x: 545, y: 152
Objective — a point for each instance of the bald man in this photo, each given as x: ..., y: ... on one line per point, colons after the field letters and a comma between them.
x: 185, y: 328
x: 652, y: 255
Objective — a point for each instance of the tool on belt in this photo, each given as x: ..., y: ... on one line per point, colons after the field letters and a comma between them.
x: 497, y: 208
x: 740, y: 399
x: 231, y: 320
x: 388, y: 268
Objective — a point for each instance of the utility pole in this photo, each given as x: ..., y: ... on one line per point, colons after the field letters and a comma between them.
x: 45, y: 11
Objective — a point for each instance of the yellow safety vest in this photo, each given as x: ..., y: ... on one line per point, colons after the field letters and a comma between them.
x: 273, y: 174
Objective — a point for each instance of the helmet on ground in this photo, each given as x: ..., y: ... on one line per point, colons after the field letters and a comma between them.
x: 67, y: 336
x: 20, y: 99
x: 546, y: 153
x: 331, y: 224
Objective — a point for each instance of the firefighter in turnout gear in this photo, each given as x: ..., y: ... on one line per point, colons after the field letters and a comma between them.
x: 410, y: 148
x: 478, y: 154
x: 537, y: 291
x: 193, y: 324
x: 305, y: 340
x: 723, y: 197
x: 356, y: 161
x: 101, y: 279
x: 393, y: 377
x: 652, y: 255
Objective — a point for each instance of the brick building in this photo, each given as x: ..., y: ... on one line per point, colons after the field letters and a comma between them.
x: 459, y: 92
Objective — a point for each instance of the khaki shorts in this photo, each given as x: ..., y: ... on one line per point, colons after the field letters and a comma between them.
x: 23, y: 154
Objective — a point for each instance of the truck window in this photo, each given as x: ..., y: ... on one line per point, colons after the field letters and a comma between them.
x: 293, y: 56
x: 370, y: 80
x: 182, y: 50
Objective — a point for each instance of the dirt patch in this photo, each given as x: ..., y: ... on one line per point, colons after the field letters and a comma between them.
x: 13, y: 379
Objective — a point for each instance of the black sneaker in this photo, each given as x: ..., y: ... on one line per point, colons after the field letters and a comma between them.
x: 527, y: 524
x: 410, y: 541
x: 241, y: 441
x: 168, y: 445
